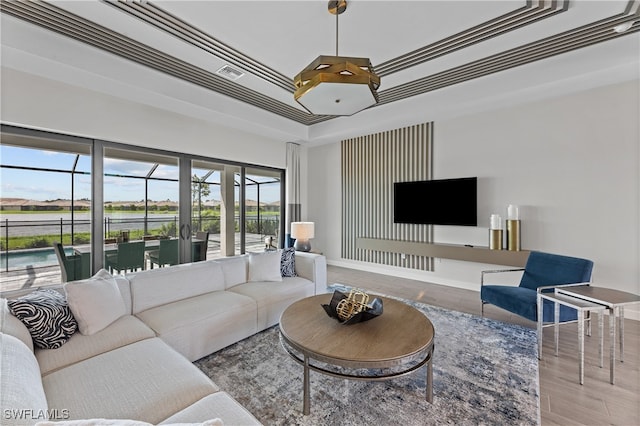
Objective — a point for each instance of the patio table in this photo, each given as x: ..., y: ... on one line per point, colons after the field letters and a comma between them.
x: 84, y: 250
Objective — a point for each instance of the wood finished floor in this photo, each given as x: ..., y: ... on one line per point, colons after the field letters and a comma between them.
x: 563, y: 401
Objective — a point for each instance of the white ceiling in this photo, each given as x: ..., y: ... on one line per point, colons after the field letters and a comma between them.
x: 279, y: 38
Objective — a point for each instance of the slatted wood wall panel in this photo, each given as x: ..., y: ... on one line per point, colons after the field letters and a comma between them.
x: 370, y: 166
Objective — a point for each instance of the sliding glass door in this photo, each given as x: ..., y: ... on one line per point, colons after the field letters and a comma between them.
x: 214, y: 205
x: 240, y: 207
x: 93, y: 196
x: 262, y: 218
x: 141, y: 209
x: 45, y: 208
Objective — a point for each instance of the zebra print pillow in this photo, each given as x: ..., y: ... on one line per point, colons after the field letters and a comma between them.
x: 288, y: 262
x: 46, y: 314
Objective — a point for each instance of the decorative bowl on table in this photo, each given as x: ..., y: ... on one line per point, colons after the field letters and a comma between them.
x: 353, y: 307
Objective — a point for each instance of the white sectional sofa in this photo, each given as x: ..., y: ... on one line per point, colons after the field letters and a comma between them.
x: 139, y: 367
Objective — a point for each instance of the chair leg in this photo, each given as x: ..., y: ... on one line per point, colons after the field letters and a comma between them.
x: 482, y: 308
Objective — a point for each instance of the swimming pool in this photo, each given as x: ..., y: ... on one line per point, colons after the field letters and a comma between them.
x: 32, y: 257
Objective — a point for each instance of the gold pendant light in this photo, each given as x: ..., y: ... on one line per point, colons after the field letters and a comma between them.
x: 337, y: 85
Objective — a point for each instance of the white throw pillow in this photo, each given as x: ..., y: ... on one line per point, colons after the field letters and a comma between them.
x: 264, y: 266
x: 95, y: 302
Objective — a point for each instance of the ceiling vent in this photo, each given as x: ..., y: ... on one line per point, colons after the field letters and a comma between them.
x: 230, y: 73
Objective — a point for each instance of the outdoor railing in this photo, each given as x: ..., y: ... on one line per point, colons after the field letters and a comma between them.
x: 38, y: 234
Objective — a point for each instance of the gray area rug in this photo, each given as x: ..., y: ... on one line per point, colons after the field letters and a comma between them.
x: 485, y: 372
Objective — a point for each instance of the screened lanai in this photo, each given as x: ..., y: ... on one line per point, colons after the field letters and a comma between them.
x: 48, y: 190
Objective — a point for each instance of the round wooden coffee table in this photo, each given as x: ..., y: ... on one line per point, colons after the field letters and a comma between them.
x: 396, y: 343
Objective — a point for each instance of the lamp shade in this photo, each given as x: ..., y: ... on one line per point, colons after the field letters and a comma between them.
x: 302, y: 230
x: 336, y: 85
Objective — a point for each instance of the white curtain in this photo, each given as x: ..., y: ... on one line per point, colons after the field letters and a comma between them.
x: 293, y: 212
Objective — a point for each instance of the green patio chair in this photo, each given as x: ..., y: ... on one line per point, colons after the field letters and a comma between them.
x: 167, y: 253
x: 70, y: 266
x: 128, y: 257
x: 199, y: 248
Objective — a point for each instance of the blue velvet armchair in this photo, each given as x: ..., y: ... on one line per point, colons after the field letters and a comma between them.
x: 542, y: 272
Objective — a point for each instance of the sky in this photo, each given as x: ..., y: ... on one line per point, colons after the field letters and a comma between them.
x: 45, y: 185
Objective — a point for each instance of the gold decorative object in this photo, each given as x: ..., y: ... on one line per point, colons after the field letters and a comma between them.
x: 513, y: 228
x: 513, y: 235
x: 495, y: 239
x: 337, y: 85
x: 355, y: 302
x: 495, y: 232
x: 353, y: 308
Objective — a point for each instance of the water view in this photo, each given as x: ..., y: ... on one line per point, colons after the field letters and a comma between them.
x: 30, y: 258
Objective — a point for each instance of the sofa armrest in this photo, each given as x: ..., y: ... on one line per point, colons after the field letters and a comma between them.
x: 314, y: 268
x: 495, y: 271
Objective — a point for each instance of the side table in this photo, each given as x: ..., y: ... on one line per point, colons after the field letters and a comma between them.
x: 615, y: 301
x: 581, y: 306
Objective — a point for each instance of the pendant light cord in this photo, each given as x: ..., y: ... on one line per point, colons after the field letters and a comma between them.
x: 337, y: 13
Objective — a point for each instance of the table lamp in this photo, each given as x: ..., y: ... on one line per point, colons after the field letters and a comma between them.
x: 302, y: 232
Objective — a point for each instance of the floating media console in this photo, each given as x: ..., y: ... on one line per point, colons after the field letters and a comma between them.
x: 447, y: 251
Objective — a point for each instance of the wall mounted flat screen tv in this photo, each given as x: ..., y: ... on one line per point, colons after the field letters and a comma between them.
x: 436, y: 202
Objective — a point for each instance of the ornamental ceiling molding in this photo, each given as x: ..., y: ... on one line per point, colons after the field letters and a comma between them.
x: 56, y: 19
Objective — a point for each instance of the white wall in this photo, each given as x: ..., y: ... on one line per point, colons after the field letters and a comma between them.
x: 572, y: 163
x: 35, y: 102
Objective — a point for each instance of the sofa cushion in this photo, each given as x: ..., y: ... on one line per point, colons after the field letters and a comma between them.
x: 200, y: 325
x: 146, y: 381
x: 46, y: 314
x: 22, y: 397
x: 219, y: 405
x: 273, y: 298
x: 11, y: 325
x: 234, y: 269
x: 264, y: 266
x: 125, y: 291
x: 95, y: 302
x: 160, y: 286
x: 125, y: 330
x: 288, y: 262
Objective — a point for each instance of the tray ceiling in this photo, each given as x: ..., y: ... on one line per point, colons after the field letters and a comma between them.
x: 417, y: 47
